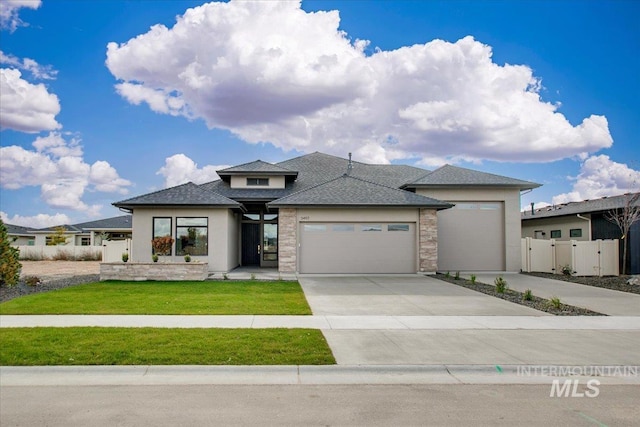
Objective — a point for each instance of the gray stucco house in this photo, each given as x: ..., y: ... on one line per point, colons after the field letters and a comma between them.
x: 319, y: 213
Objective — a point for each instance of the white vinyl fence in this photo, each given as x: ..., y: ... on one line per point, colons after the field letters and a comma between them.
x: 60, y: 252
x: 112, y: 250
x: 594, y: 258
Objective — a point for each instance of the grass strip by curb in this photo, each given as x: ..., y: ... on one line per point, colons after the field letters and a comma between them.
x: 160, y: 346
x: 537, y: 303
x: 209, y: 297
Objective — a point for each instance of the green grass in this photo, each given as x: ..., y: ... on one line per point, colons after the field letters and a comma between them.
x: 215, y: 298
x: 154, y: 346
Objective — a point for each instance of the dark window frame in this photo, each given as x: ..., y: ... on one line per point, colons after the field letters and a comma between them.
x: 257, y: 182
x: 153, y: 232
x: 556, y: 234
x: 575, y: 232
x: 179, y: 247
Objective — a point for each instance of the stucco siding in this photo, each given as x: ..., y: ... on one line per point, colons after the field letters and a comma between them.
x: 219, y: 228
x: 562, y: 223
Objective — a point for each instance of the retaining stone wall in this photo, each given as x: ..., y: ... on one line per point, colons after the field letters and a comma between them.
x: 165, y: 271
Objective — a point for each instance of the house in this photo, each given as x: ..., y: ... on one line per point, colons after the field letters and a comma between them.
x: 319, y: 213
x: 584, y: 221
x: 83, y: 234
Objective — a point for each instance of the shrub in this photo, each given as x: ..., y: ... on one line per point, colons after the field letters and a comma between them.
x: 501, y: 285
x: 125, y: 257
x: 187, y: 258
x: 154, y: 258
x: 555, y: 302
x: 162, y: 245
x: 224, y: 276
x: 62, y: 256
x: 457, y: 276
x: 567, y: 270
x: 473, y: 279
x: 528, y: 295
x: 32, y: 280
x: 31, y: 256
x: 447, y: 275
x: 88, y: 255
x: 9, y: 259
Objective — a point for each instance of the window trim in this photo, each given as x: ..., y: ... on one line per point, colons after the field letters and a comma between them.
x: 556, y: 234
x: 575, y: 232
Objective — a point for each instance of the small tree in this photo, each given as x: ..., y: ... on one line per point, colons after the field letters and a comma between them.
x: 9, y: 259
x: 162, y: 245
x: 624, y: 218
x: 58, y: 237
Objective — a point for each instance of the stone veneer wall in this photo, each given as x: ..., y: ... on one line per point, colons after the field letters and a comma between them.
x: 154, y: 271
x: 287, y: 240
x: 428, y: 240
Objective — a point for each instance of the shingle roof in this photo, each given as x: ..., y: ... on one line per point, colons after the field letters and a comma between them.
x: 117, y: 222
x: 18, y: 230
x: 188, y: 194
x: 348, y: 190
x: 586, y: 206
x: 257, y: 167
x: 449, y: 175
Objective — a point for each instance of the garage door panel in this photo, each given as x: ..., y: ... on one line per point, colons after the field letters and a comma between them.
x: 348, y: 248
x: 471, y: 237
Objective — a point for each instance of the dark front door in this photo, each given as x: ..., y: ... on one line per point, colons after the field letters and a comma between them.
x: 251, y: 244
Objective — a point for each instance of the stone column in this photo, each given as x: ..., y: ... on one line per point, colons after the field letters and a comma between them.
x: 287, y: 240
x: 428, y: 235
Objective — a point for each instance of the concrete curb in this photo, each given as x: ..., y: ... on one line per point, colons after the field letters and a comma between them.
x: 310, y: 375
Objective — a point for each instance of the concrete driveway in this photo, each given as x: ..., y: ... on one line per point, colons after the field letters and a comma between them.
x: 401, y: 295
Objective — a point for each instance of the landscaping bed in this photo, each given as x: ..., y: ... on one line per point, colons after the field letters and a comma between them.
x: 616, y: 283
x: 510, y: 295
x: 32, y: 285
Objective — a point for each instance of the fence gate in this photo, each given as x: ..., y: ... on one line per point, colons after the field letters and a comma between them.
x: 112, y: 250
x: 594, y: 258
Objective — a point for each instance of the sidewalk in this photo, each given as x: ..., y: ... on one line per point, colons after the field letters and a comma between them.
x: 606, y: 301
x: 327, y: 322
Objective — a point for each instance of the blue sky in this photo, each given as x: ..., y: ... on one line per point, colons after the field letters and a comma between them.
x: 97, y: 106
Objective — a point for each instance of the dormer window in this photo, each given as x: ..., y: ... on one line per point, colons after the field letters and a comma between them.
x: 263, y: 182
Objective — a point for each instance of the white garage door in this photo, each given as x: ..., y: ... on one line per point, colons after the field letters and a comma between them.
x: 358, y: 247
x: 471, y: 237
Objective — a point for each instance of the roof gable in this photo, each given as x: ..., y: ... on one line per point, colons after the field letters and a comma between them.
x: 257, y: 167
x: 347, y: 190
x: 188, y: 194
x: 449, y: 175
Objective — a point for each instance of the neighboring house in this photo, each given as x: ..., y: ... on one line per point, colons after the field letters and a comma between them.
x: 83, y: 234
x: 20, y: 236
x: 584, y: 221
x: 324, y: 214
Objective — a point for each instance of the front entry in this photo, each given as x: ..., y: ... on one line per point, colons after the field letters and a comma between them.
x: 250, y: 244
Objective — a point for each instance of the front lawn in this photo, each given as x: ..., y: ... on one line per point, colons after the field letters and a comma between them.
x: 156, y: 346
x: 209, y: 297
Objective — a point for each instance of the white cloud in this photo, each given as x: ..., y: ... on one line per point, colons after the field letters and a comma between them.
x: 9, y: 19
x: 599, y: 177
x: 271, y: 72
x: 26, y: 107
x: 36, y: 221
x: 179, y: 169
x: 43, y: 72
x: 58, y: 168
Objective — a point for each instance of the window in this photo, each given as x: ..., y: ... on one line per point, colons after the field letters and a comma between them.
x: 343, y: 227
x: 556, y: 234
x: 85, y: 241
x: 398, y: 227
x: 161, y: 228
x: 575, y: 232
x: 192, y: 236
x: 371, y: 227
x: 270, y: 242
x: 257, y: 181
x: 315, y: 227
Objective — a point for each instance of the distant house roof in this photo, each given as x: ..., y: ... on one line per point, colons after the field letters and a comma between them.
x: 18, y: 230
x: 587, y: 206
x: 122, y: 222
x: 448, y: 175
x: 188, y: 194
x: 351, y: 191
